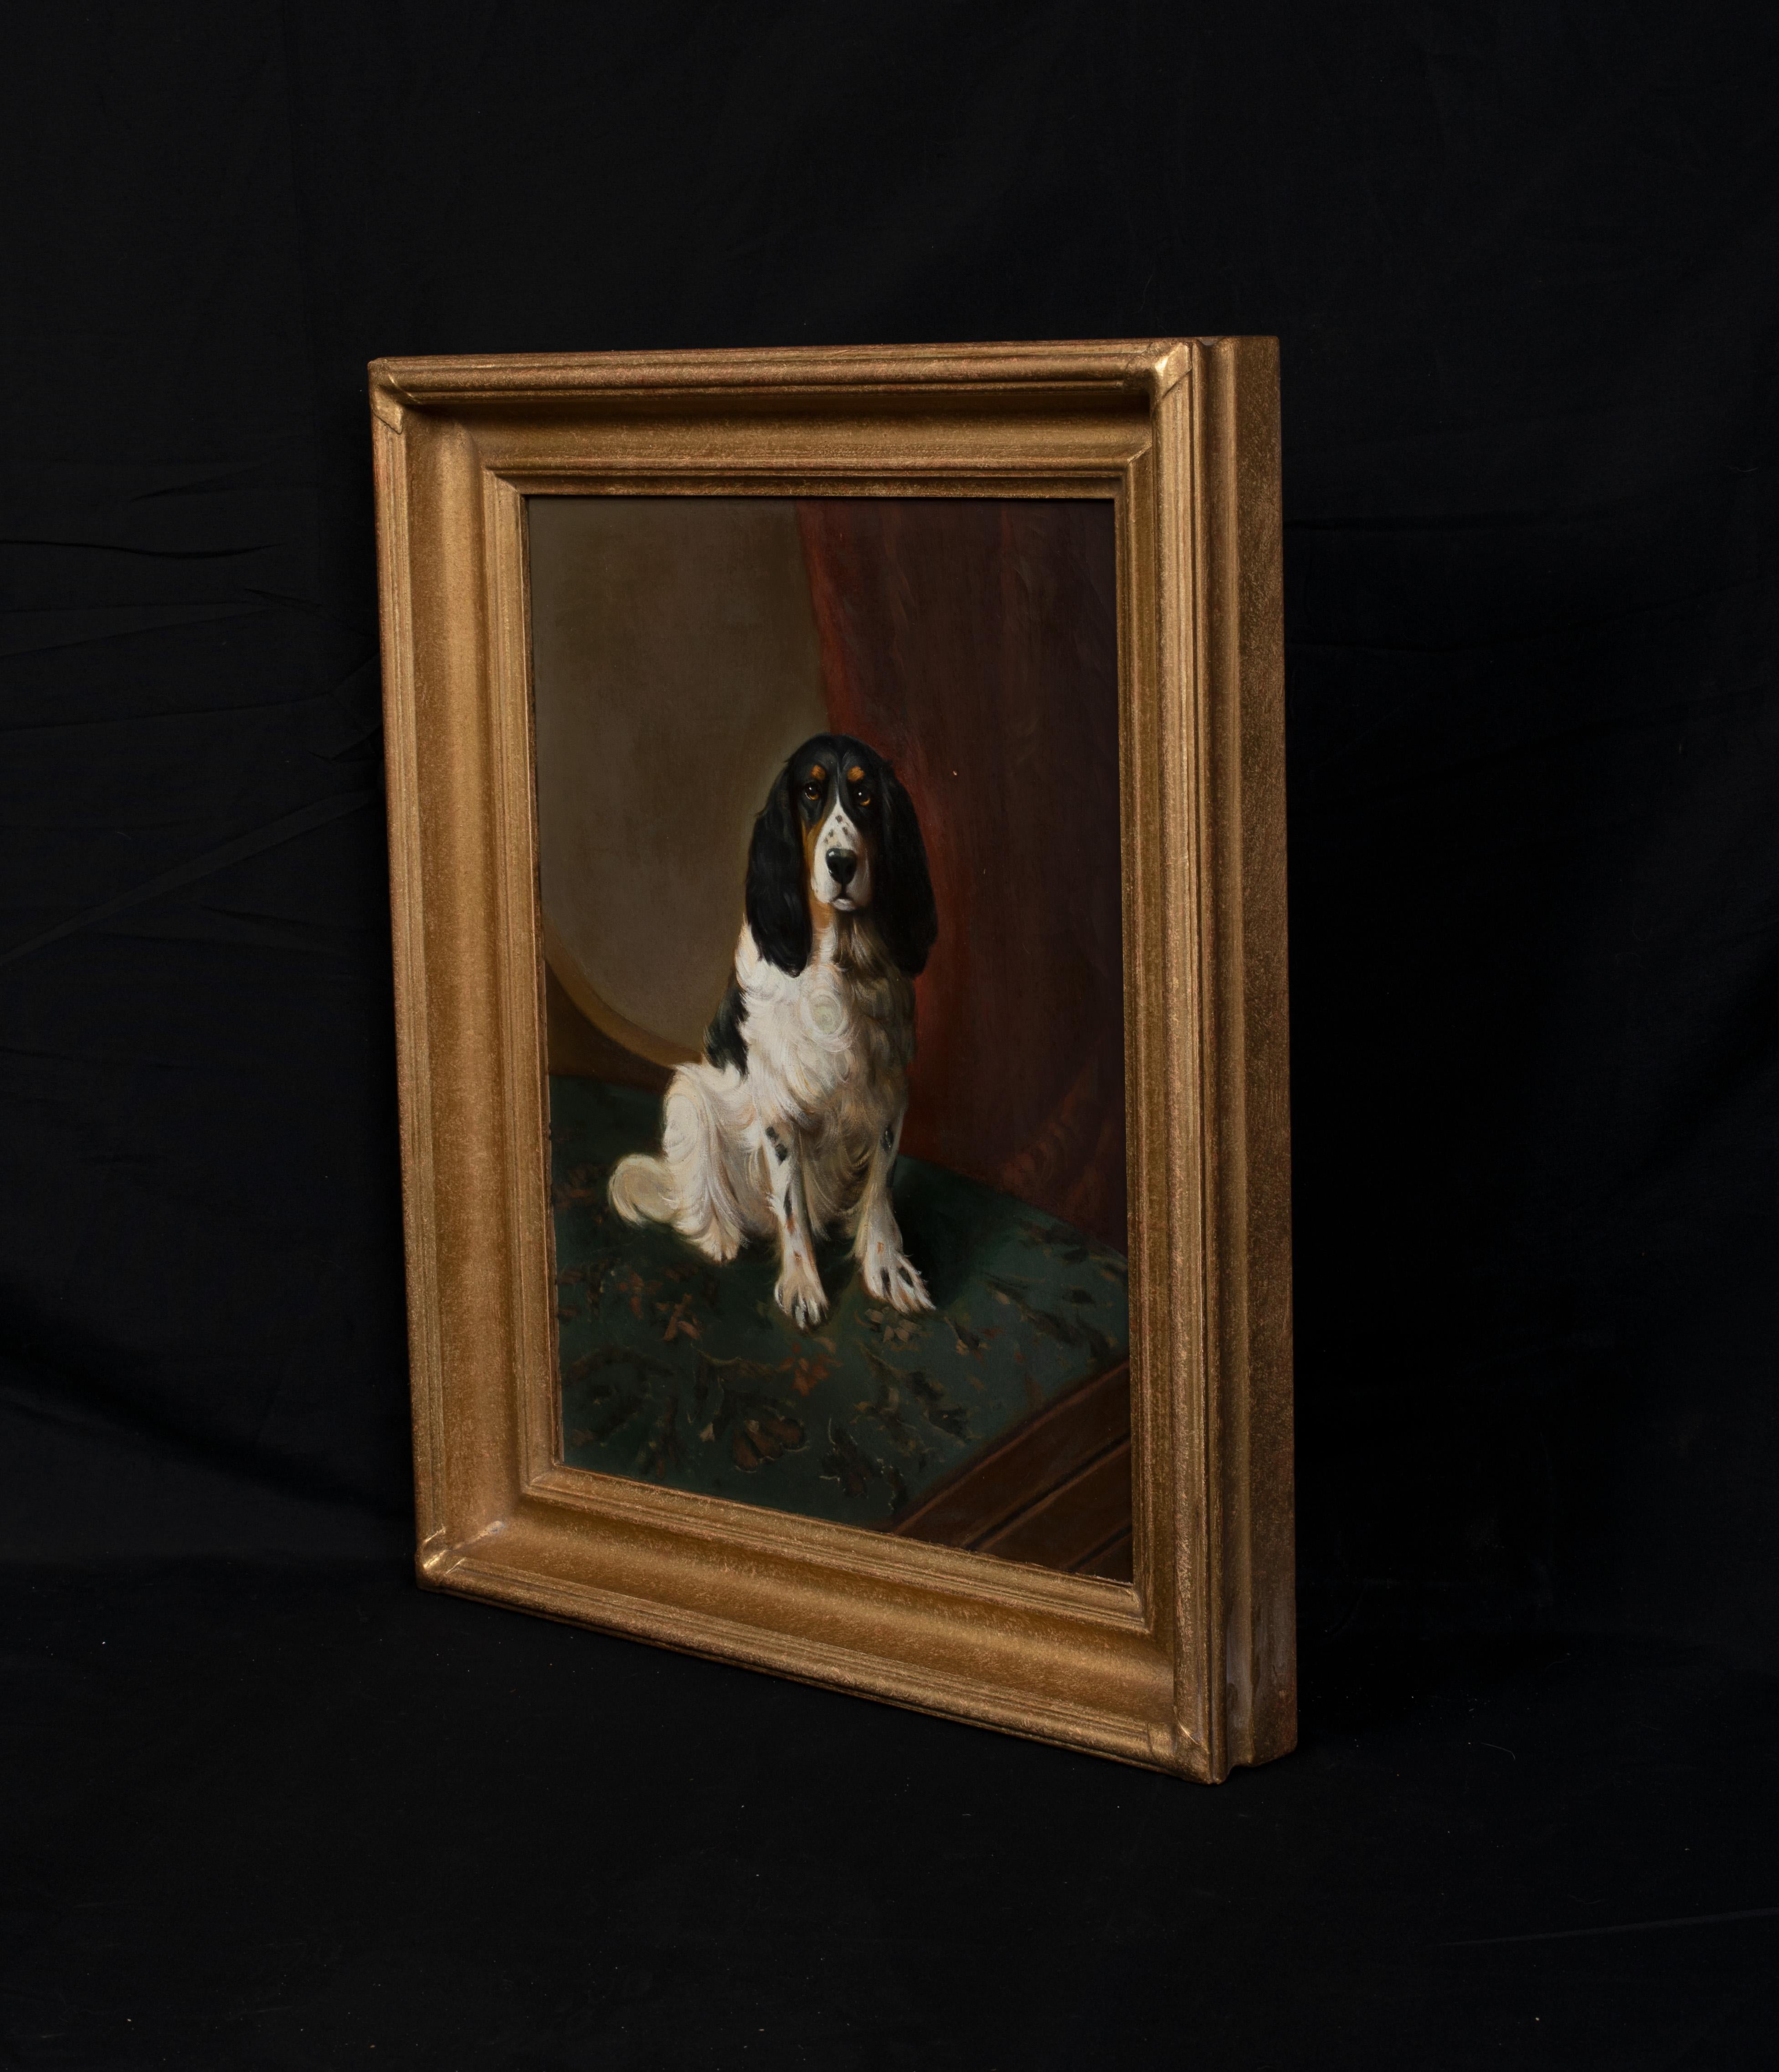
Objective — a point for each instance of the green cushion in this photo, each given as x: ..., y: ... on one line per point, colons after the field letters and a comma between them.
x: 687, y: 1375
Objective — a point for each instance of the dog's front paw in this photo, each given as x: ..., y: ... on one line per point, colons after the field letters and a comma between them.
x: 799, y: 1293
x: 892, y: 1277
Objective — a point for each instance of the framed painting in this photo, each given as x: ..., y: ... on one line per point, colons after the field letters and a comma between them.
x: 836, y: 806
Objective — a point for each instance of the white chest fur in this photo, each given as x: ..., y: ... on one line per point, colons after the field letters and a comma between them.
x: 830, y: 1044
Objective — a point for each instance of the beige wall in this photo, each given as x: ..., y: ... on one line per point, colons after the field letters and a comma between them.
x: 676, y: 666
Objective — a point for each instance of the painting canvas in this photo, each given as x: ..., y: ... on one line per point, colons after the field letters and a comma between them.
x: 830, y: 867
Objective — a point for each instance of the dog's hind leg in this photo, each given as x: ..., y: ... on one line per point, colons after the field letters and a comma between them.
x: 698, y: 1147
x: 692, y: 1183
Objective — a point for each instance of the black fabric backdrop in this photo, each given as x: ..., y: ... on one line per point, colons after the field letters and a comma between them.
x: 269, y: 1807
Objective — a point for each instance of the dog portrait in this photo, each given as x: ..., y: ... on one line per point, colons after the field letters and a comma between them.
x: 836, y: 813
x: 788, y: 1124
x: 828, y: 839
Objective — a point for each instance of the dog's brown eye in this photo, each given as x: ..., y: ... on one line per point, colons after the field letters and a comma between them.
x: 814, y: 789
x: 861, y: 795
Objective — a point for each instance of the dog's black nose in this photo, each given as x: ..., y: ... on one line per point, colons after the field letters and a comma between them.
x: 841, y: 866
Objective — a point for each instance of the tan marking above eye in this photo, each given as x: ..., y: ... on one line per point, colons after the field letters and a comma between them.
x: 855, y: 775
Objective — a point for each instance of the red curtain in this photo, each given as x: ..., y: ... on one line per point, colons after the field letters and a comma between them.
x: 974, y: 644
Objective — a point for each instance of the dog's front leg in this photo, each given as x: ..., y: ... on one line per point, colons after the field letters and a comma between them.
x: 799, y: 1290
x: 890, y: 1275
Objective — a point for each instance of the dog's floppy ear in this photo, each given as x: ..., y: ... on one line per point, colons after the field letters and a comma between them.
x: 902, y: 898
x: 778, y: 906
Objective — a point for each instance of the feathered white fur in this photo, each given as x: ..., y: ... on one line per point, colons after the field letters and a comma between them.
x: 805, y: 1139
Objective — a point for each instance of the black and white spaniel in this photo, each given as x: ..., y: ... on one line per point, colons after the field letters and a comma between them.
x: 790, y: 1124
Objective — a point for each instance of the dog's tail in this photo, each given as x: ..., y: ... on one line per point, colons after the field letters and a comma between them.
x: 642, y: 1190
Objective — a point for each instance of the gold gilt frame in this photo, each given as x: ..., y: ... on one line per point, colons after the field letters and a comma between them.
x: 1191, y: 1668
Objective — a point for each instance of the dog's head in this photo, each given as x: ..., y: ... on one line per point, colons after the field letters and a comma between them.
x: 839, y: 833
